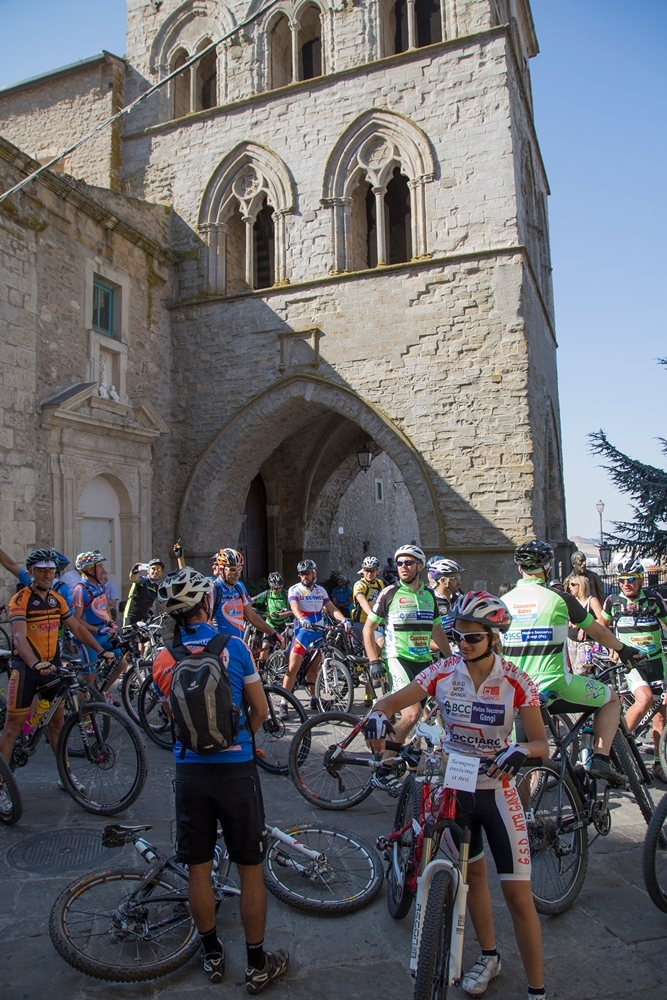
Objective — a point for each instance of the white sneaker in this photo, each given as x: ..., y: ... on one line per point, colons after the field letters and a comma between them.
x: 486, y: 968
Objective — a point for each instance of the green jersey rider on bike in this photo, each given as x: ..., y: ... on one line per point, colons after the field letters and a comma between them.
x: 535, y: 640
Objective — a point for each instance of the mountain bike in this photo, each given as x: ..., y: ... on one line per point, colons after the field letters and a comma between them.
x: 130, y: 926
x: 271, y: 742
x: 425, y: 810
x: 110, y: 755
x: 655, y: 856
x: 132, y: 638
x: 5, y: 633
x: 334, y: 684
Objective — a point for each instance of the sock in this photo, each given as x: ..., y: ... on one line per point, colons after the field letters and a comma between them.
x: 600, y: 756
x: 255, y: 954
x: 211, y: 942
x: 536, y: 991
x: 490, y: 951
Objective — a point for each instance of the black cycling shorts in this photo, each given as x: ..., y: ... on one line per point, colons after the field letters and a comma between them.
x: 229, y: 793
x: 25, y: 683
x: 497, y: 811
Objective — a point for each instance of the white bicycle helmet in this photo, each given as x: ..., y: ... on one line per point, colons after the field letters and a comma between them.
x: 183, y: 589
x: 370, y: 562
x: 443, y: 567
x: 480, y: 606
x: 410, y: 550
x: 86, y: 560
x: 627, y: 567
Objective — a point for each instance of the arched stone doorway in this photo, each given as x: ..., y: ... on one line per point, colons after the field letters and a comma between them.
x: 302, y: 436
x: 99, y: 525
x: 253, y: 540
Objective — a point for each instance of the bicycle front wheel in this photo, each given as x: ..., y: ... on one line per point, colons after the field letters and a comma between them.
x: 346, y: 878
x: 432, y: 977
x: 131, y: 683
x: 274, y: 737
x: 325, y: 780
x: 628, y: 765
x: 655, y: 856
x: 154, y: 716
x: 399, y: 896
x: 11, y: 806
x: 334, y: 687
x: 557, y: 835
x: 276, y: 665
x: 112, y: 774
x: 662, y: 750
x: 103, y: 925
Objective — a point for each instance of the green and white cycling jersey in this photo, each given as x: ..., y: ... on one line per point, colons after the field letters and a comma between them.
x: 636, y: 622
x: 409, y: 616
x: 535, y: 639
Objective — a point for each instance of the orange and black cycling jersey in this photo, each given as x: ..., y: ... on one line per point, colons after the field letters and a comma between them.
x: 42, y: 617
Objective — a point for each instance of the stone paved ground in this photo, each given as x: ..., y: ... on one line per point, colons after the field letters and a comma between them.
x: 613, y: 943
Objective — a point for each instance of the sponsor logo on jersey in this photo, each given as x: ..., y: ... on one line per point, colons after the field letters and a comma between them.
x: 457, y: 708
x: 537, y: 634
x: 487, y: 715
x: 490, y: 692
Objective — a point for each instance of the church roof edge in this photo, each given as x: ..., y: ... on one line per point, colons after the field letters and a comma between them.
x: 74, y: 67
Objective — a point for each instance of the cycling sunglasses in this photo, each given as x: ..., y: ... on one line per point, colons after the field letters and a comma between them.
x: 472, y: 638
x: 628, y: 579
x: 406, y: 562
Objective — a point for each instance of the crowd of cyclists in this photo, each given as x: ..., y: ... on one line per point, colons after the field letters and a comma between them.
x: 488, y: 661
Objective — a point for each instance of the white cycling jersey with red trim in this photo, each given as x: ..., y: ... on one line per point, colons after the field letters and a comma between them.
x: 310, y: 602
x: 480, y: 722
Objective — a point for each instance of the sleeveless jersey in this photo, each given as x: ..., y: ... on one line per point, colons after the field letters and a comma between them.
x: 535, y: 639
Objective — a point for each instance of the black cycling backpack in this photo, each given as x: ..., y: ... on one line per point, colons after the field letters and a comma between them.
x: 201, y: 699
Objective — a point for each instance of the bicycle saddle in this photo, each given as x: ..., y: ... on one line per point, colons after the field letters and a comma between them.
x: 431, y: 732
x: 117, y: 835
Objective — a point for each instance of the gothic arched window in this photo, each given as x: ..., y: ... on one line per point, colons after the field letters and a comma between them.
x: 280, y: 47
x: 310, y: 42
x: 207, y: 79
x: 180, y: 85
x: 410, y: 24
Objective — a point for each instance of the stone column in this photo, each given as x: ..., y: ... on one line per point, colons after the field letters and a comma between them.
x: 412, y: 25
x: 294, y: 28
x: 249, y: 251
x: 379, y: 225
x: 194, y: 79
x: 215, y: 234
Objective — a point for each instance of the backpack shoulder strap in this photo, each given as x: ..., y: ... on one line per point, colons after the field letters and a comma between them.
x: 217, y: 644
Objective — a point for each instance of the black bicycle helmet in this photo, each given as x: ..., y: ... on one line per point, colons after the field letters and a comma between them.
x: 275, y: 580
x: 305, y: 565
x: 534, y: 555
x: 42, y: 558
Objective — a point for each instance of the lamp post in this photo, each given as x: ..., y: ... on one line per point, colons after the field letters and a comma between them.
x: 365, y: 457
x: 605, y: 555
x: 600, y: 509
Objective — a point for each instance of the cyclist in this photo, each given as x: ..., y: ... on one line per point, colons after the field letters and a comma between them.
x: 409, y: 611
x: 91, y: 609
x: 143, y: 592
x: 535, y: 643
x: 478, y: 693
x: 222, y: 786
x: 341, y: 595
x: 232, y: 606
x: 308, y: 601
x: 636, y: 616
x: 444, y: 576
x: 364, y: 595
x: 36, y: 613
x: 274, y: 605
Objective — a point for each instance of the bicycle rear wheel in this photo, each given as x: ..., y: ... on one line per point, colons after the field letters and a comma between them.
x: 155, y: 719
x: 11, y: 807
x: 131, y: 682
x: 323, y: 780
x: 112, y: 774
x: 100, y: 928
x: 334, y: 687
x: 347, y: 879
x: 276, y: 665
x: 432, y: 977
x: 273, y: 739
x: 92, y: 693
x: 399, y: 897
x: 628, y: 765
x: 558, y: 840
x: 655, y: 856
x: 662, y: 749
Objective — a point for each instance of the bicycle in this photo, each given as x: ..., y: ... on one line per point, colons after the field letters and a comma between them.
x: 139, y: 661
x: 125, y: 926
x: 5, y: 635
x: 111, y: 756
x: 654, y: 862
x: 425, y: 810
x: 333, y: 686
x: 561, y: 801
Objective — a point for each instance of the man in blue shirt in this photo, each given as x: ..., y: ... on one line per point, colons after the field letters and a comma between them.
x: 222, y: 786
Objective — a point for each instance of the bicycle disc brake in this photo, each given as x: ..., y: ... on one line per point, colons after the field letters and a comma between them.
x: 601, y: 815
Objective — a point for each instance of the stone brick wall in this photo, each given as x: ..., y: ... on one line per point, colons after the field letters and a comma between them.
x: 44, y: 117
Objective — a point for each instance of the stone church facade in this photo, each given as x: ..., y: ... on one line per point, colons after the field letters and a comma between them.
x: 327, y: 237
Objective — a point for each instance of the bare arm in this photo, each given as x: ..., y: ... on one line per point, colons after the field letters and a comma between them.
x: 363, y: 603
x: 81, y: 630
x: 251, y: 616
x: 294, y: 605
x: 441, y: 641
x: 396, y: 702
x: 258, y: 710
x: 9, y: 564
x: 331, y: 608
x: 603, y: 635
x: 536, y: 743
x: 370, y: 645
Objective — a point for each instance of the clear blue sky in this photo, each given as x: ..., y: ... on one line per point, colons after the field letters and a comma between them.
x: 599, y: 86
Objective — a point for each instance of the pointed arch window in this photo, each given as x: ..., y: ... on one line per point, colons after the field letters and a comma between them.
x: 181, y: 85
x: 310, y: 43
x: 207, y: 79
x: 280, y: 46
x: 411, y: 24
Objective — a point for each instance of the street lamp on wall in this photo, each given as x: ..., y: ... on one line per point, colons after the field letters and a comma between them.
x: 365, y: 457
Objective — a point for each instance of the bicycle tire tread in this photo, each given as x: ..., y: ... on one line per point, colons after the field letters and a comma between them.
x: 439, y: 912
x: 14, y: 792
x: 629, y: 768
x: 337, y: 805
x: 657, y: 830
x: 399, y: 908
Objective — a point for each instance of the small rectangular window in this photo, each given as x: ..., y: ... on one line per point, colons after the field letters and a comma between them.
x: 103, y: 308
x: 379, y: 494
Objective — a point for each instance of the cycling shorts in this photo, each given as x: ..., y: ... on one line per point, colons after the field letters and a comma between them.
x: 649, y: 673
x: 583, y: 692
x: 402, y: 671
x: 303, y: 638
x: 90, y: 657
x: 25, y: 683
x: 499, y: 813
x: 229, y: 793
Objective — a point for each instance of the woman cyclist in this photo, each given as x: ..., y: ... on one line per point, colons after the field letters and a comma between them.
x: 478, y: 692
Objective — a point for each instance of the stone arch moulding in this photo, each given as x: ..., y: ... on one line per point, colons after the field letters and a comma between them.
x: 215, y: 493
x: 246, y: 176
x: 373, y: 145
x: 217, y: 20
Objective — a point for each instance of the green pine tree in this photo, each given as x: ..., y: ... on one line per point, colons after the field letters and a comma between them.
x: 646, y: 534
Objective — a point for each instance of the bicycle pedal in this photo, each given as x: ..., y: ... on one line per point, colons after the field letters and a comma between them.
x: 382, y: 843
